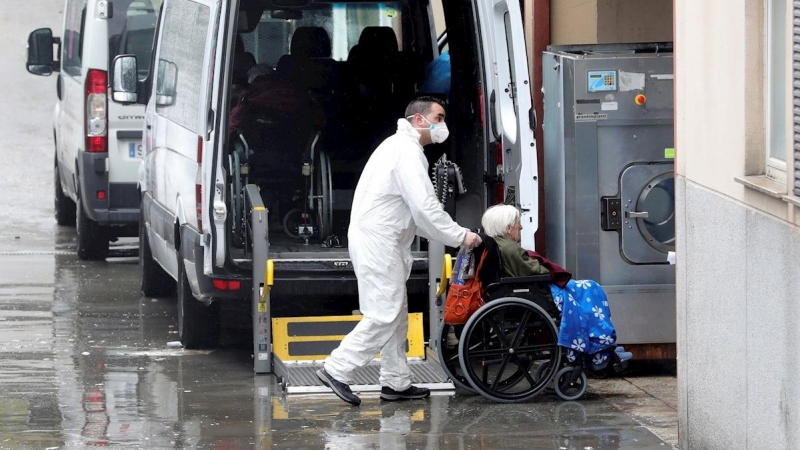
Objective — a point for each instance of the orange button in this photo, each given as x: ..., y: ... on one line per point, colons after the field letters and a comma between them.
x: 640, y: 99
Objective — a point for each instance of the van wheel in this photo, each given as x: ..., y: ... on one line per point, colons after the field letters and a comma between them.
x: 64, y: 207
x: 198, y: 324
x: 155, y: 282
x: 92, y: 237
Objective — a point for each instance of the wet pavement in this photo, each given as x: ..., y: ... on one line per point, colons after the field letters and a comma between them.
x: 84, y: 360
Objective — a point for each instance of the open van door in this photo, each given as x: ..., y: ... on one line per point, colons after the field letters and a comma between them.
x: 509, y: 108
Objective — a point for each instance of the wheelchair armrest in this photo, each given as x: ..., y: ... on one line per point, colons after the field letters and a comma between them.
x: 525, y: 280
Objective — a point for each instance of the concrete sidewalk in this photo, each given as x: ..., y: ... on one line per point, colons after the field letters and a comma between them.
x: 649, y: 394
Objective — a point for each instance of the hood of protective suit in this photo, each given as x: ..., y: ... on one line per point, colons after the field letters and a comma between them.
x: 404, y: 127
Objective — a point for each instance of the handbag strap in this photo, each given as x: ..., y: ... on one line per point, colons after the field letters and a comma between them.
x: 480, y: 263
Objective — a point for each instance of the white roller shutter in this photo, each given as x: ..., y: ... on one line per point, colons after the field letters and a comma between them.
x: 796, y: 92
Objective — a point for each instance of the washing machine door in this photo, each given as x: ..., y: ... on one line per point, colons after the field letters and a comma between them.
x: 647, y: 192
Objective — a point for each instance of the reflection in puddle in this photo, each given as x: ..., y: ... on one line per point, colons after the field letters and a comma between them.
x: 84, y: 362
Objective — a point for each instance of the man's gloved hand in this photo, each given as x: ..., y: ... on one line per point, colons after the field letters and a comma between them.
x: 471, y: 240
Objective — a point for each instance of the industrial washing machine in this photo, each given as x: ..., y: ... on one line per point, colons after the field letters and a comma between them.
x: 609, y: 178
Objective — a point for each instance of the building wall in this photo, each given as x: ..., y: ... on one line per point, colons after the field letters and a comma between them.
x: 610, y: 21
x: 738, y: 320
x: 738, y: 239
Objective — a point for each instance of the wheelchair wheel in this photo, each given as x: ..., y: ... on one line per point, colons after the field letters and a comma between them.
x: 324, y: 196
x: 291, y: 221
x: 569, y: 386
x: 504, y: 346
x: 448, y: 356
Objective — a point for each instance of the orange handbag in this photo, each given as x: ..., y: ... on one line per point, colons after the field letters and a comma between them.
x: 464, y: 299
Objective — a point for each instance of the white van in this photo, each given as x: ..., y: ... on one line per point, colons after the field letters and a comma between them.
x: 97, y: 143
x: 318, y: 84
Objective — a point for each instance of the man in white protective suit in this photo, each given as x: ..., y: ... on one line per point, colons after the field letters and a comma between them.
x: 394, y: 201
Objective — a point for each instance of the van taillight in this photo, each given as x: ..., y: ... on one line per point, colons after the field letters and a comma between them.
x: 198, y: 198
x: 500, y: 187
x: 96, y: 117
x: 226, y: 285
x: 198, y: 188
x: 482, y: 106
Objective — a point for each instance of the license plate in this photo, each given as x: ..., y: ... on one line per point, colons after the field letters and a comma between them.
x: 135, y: 150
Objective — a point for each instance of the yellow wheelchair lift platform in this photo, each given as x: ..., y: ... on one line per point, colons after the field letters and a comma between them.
x: 294, y: 348
x: 300, y: 345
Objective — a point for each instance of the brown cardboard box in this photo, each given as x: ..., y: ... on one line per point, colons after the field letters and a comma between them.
x: 610, y: 21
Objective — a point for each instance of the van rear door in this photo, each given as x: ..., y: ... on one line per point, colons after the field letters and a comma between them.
x: 214, y: 207
x: 509, y: 107
x: 130, y: 31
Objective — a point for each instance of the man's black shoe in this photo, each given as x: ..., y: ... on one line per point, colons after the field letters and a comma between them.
x: 340, y: 389
x: 412, y: 392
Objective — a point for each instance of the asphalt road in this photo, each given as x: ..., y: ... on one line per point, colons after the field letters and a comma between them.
x: 84, y: 359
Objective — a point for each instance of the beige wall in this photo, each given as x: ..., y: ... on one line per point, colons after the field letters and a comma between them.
x: 710, y: 81
x: 610, y: 21
x: 719, y: 95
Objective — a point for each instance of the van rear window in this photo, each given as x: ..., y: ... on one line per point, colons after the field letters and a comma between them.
x: 343, y: 23
x: 131, y: 29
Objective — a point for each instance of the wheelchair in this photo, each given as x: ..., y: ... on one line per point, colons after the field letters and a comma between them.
x: 297, y: 184
x: 508, y: 350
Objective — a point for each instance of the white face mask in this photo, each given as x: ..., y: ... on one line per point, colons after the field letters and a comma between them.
x: 439, y: 131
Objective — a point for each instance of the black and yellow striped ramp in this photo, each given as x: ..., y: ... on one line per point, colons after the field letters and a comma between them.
x: 300, y: 344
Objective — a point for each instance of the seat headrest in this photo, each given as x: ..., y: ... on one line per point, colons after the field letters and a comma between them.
x: 288, y: 67
x: 311, y: 42
x: 377, y: 39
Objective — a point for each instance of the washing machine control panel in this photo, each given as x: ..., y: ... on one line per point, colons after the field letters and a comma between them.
x: 611, y: 213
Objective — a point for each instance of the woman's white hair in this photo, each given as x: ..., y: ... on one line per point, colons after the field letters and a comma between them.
x: 498, y: 219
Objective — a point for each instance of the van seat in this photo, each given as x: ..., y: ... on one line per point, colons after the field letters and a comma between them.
x: 373, y: 69
x: 311, y: 42
x: 309, y: 60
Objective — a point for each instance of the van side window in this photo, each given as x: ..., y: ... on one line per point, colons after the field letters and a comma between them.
x: 72, y: 48
x: 180, y: 62
x: 131, y: 30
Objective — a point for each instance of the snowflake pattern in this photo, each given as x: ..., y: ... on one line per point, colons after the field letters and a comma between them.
x: 571, y: 356
x: 599, y: 358
x: 586, y: 327
x: 578, y: 344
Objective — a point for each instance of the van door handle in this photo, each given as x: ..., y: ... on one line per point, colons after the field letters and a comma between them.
x: 532, y: 119
x: 637, y: 214
x: 492, y: 115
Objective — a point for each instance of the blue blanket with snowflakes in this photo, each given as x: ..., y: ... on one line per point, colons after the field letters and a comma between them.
x: 586, y: 327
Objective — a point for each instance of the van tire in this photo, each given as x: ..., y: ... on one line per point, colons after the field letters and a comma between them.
x: 198, y: 324
x: 92, y: 237
x: 155, y: 282
x: 64, y: 206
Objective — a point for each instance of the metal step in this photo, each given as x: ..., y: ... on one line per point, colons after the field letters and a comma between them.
x: 299, y: 377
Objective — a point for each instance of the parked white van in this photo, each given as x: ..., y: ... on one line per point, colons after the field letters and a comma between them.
x: 97, y: 143
x: 292, y: 96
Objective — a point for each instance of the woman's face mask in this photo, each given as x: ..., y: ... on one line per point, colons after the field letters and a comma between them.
x: 439, y: 131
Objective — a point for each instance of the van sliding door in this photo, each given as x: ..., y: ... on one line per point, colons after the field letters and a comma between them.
x: 508, y: 84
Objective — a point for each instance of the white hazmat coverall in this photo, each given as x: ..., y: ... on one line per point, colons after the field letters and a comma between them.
x: 393, y: 202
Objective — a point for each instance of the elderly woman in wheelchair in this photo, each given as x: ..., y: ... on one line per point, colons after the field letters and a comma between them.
x: 538, y: 325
